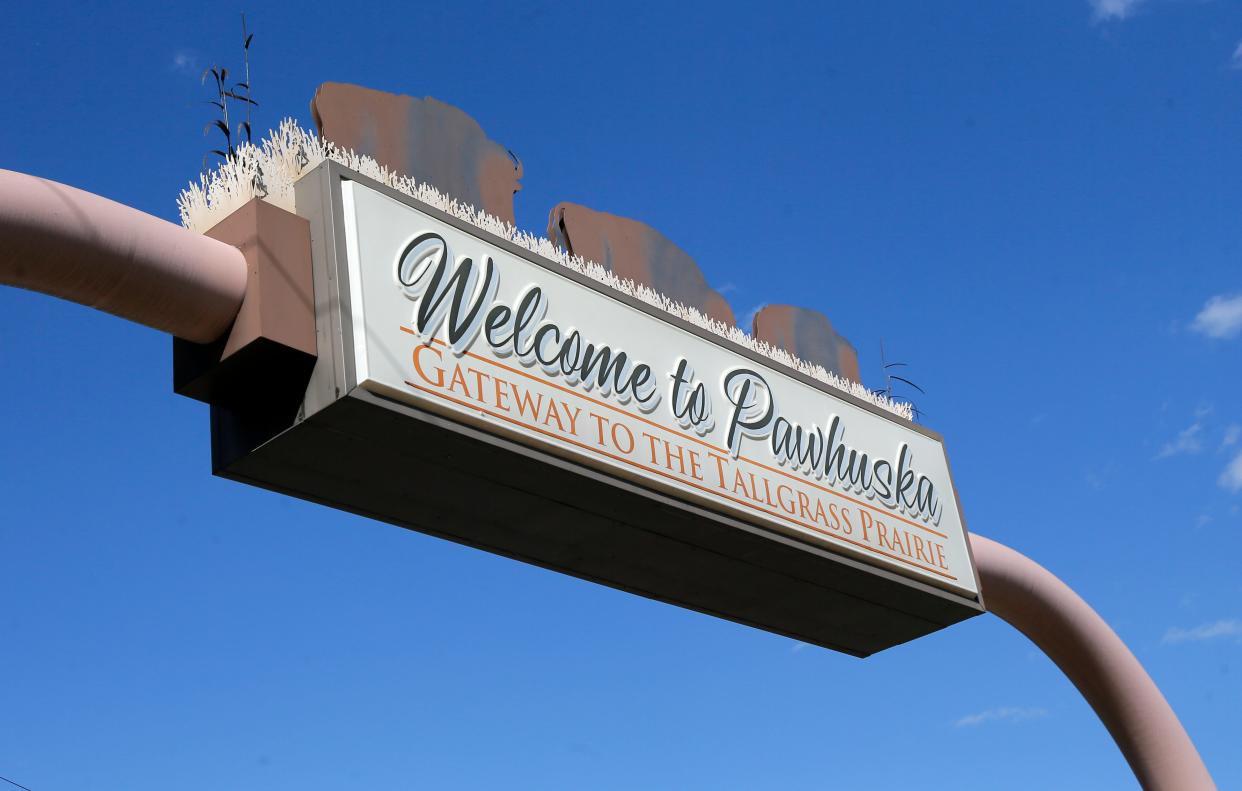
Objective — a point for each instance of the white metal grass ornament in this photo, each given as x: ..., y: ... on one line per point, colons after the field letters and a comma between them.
x: 269, y: 169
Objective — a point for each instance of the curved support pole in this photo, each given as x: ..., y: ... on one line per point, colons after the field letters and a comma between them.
x: 81, y: 247
x: 1042, y: 607
x: 71, y: 244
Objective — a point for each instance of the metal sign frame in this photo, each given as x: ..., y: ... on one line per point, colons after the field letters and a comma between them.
x: 349, y: 448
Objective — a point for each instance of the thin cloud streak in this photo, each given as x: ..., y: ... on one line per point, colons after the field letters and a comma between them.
x: 1186, y: 442
x: 748, y: 320
x: 1003, y: 714
x: 1209, y: 631
x: 1232, y: 434
x: 1105, y: 10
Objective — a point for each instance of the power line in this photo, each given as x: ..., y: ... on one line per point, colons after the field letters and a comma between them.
x: 10, y: 782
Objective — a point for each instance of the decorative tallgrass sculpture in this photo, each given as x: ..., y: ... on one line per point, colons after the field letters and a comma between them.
x: 268, y: 170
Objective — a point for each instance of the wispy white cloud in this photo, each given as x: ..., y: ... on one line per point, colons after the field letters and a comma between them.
x: 1231, y: 476
x: 1003, y: 714
x: 1101, y: 475
x: 1104, y: 10
x: 1229, y: 627
x: 1233, y: 433
x: 748, y: 320
x: 186, y: 62
x: 1188, y: 441
x: 1221, y: 317
x: 1236, y: 60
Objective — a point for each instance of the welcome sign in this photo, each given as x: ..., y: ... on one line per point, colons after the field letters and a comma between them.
x: 450, y: 321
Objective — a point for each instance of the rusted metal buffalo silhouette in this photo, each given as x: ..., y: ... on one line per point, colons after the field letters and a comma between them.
x: 425, y: 139
x: 441, y: 145
x: 632, y: 249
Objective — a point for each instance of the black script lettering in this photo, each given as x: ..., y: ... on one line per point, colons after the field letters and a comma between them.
x: 753, y: 408
x: 694, y: 409
x: 422, y: 271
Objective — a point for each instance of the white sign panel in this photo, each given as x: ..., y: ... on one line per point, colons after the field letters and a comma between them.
x: 450, y: 322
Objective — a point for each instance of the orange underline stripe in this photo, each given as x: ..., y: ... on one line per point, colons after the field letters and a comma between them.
x: 475, y: 407
x: 800, y: 479
x: 573, y: 392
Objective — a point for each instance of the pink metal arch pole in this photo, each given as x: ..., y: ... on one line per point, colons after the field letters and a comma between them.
x: 71, y: 244
x: 68, y: 243
x: 1045, y: 609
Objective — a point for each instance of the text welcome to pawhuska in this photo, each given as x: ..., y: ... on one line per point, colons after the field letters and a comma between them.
x: 456, y: 305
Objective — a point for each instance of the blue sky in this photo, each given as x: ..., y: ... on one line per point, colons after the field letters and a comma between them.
x: 1035, y: 205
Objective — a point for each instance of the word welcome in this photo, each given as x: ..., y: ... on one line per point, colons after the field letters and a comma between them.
x: 466, y: 297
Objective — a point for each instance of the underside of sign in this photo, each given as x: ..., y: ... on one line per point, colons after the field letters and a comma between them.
x: 468, y: 388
